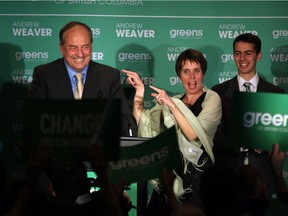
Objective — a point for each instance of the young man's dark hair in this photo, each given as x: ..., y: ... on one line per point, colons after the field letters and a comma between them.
x: 249, y: 38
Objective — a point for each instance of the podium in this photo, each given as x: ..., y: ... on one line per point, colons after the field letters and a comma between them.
x: 131, y: 141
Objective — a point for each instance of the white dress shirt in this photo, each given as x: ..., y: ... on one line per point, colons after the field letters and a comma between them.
x: 254, y: 83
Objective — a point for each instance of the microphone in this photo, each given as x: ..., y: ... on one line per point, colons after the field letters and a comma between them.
x: 130, y: 129
x: 100, y: 94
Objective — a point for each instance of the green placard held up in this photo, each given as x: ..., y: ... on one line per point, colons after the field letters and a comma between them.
x: 146, y: 160
x: 259, y: 120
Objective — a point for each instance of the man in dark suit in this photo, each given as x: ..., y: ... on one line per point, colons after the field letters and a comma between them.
x: 247, y: 52
x: 56, y: 80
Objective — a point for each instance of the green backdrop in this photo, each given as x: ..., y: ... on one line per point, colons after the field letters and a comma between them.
x: 144, y: 36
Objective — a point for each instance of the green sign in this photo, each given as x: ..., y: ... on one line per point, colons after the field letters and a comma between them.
x: 146, y: 160
x: 259, y: 120
x: 69, y: 127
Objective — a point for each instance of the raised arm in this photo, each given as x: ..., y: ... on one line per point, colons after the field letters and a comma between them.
x: 137, y: 83
x: 162, y: 97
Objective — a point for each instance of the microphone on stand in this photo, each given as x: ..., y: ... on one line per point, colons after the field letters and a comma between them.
x: 100, y: 94
x: 130, y: 129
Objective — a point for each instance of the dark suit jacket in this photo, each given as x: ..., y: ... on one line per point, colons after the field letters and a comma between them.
x: 230, y: 157
x: 51, y: 81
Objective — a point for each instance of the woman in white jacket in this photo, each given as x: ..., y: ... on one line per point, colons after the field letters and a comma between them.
x: 196, y: 114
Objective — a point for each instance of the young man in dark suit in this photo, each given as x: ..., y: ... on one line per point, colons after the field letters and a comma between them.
x: 56, y: 80
x: 247, y: 52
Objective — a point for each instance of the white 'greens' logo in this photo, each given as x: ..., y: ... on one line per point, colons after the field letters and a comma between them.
x: 134, y: 57
x: 186, y: 33
x: 20, y: 56
x: 251, y: 119
x: 283, y: 33
x: 138, y: 163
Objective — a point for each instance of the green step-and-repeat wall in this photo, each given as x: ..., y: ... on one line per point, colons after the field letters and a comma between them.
x: 141, y: 35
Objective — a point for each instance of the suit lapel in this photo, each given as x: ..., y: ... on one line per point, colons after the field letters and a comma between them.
x: 233, y: 86
x: 261, y: 85
x: 91, y: 83
x: 63, y: 80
